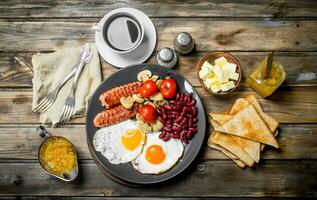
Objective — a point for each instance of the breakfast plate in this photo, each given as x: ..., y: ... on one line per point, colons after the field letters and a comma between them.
x: 126, y: 172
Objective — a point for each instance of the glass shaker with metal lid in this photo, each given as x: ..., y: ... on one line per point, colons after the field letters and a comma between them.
x: 166, y: 57
x: 184, y: 43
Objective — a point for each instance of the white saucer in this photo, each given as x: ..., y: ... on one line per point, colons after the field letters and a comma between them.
x: 137, y: 56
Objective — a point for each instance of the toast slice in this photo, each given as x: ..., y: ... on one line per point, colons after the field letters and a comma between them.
x: 251, y: 147
x: 228, y: 154
x: 271, y: 122
x: 248, y: 124
x: 231, y: 145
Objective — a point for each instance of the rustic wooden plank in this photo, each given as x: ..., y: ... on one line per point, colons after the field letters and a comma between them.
x: 287, y: 105
x: 216, y: 34
x: 211, y: 178
x: 23, y: 142
x: 231, y: 8
x: 137, y: 198
x: 298, y: 65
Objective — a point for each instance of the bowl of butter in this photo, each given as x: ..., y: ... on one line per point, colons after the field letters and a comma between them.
x: 219, y: 72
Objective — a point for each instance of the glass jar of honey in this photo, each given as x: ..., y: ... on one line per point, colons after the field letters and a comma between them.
x: 265, y: 81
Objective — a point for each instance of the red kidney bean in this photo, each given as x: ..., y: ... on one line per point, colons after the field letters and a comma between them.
x: 162, y: 135
x: 168, y: 129
x: 183, y: 122
x: 189, y: 135
x: 194, y: 130
x: 175, y: 135
x: 192, y: 102
x: 168, y: 107
x: 186, y: 99
x: 177, y: 129
x: 190, y: 122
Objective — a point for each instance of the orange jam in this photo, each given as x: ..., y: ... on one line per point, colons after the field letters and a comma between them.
x: 58, y: 156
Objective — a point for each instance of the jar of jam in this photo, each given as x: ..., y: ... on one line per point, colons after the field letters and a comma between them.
x: 267, y: 77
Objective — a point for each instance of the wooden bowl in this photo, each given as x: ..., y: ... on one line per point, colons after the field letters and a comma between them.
x: 211, y: 57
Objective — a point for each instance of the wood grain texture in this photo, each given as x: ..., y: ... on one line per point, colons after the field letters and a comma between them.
x: 210, y: 35
x: 23, y: 142
x: 210, y: 178
x: 140, y: 198
x: 287, y: 105
x: 154, y: 8
x: 301, y: 67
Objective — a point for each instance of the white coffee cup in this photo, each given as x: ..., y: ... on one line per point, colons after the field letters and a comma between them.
x: 121, y: 32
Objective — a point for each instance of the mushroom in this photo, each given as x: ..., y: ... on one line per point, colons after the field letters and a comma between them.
x: 144, y: 127
x: 150, y: 103
x: 157, y: 97
x: 144, y: 75
x: 160, y: 103
x: 137, y: 98
x: 127, y: 102
x: 157, y: 126
x: 138, y: 117
x: 159, y: 82
x: 154, y: 77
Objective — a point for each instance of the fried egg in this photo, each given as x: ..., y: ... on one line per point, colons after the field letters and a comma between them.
x: 120, y: 143
x: 158, y: 156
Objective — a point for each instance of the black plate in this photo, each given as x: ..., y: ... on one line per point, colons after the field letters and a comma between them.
x: 126, y: 172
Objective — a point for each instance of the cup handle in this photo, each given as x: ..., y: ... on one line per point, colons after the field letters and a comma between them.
x: 42, y: 132
x: 95, y: 28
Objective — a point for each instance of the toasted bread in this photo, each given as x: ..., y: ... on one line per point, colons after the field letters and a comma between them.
x: 272, y: 123
x: 248, y: 124
x: 228, y: 154
x: 251, y: 147
x: 230, y: 144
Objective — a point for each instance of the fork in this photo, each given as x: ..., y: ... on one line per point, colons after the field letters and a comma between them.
x: 68, y: 108
x: 50, y: 98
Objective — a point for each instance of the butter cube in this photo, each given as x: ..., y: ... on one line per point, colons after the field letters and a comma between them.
x: 207, y: 65
x: 221, y: 61
x: 227, y: 86
x: 215, y: 88
x: 214, y: 81
x: 217, y: 71
x: 231, y: 67
x: 207, y: 82
x: 234, y: 76
x: 225, y: 76
x: 203, y: 73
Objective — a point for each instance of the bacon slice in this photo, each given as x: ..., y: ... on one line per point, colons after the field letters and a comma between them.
x: 112, y: 97
x: 115, y: 115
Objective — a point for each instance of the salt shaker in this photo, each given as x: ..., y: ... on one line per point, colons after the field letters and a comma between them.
x: 166, y: 57
x: 183, y: 43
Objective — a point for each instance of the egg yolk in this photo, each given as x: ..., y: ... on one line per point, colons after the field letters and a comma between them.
x: 131, y: 139
x: 155, y: 154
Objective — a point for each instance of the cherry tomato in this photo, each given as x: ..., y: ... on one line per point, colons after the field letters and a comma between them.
x: 168, y: 88
x: 148, y: 88
x: 148, y: 113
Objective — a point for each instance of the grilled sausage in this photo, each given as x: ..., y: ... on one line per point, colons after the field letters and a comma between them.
x: 112, y: 97
x: 115, y: 115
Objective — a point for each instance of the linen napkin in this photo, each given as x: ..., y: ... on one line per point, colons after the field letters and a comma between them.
x: 50, y: 68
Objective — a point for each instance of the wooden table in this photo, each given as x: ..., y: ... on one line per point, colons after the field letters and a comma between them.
x: 249, y: 30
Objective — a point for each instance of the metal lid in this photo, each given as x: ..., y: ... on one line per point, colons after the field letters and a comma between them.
x: 166, y: 54
x: 184, y: 39
x: 123, y: 33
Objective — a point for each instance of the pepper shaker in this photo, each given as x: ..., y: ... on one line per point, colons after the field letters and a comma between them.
x: 166, y: 57
x: 184, y: 43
